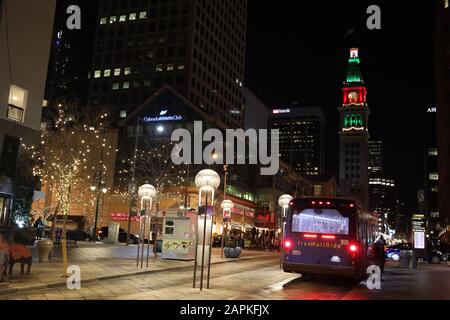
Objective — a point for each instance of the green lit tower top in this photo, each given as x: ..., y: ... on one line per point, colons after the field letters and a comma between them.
x: 354, y: 72
x: 354, y: 133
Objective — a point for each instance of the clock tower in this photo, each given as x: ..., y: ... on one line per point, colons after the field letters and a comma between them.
x: 354, y: 134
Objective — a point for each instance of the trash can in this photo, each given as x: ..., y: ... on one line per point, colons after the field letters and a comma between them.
x: 408, y: 259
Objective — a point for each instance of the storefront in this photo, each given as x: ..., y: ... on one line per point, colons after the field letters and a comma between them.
x: 243, y: 225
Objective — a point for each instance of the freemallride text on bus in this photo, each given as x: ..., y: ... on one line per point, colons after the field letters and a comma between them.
x: 330, y: 236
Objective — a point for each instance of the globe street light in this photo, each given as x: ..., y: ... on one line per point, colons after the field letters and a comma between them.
x: 283, y: 202
x: 207, y: 181
x: 227, y: 206
x: 146, y: 192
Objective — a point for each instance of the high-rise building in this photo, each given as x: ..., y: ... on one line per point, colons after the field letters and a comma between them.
x: 302, y: 138
x: 383, y: 197
x: 354, y: 134
x: 382, y: 190
x: 24, y: 53
x: 256, y: 112
x: 71, y: 54
x: 196, y: 46
x: 376, y: 158
x: 431, y: 175
x: 442, y: 72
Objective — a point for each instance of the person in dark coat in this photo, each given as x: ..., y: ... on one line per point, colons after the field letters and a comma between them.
x: 378, y: 253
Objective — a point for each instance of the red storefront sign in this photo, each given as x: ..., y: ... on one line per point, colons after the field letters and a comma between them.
x: 250, y: 214
x: 243, y: 212
x: 123, y: 217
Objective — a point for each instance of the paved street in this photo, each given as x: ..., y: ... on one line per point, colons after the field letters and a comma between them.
x: 258, y: 278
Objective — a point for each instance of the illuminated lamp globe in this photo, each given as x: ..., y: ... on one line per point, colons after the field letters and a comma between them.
x: 284, y: 200
x: 227, y: 205
x: 147, y: 191
x: 207, y: 179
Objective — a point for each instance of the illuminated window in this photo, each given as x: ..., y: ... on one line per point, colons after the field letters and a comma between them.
x: 143, y: 15
x: 126, y: 85
x: 432, y: 152
x: 115, y: 86
x: 117, y: 72
x: 434, y: 176
x: 17, y: 103
x: 127, y: 71
x: 181, y: 67
x: 123, y: 18
x: 317, y: 190
x: 435, y: 189
x: 123, y: 114
x: 159, y: 68
x: 107, y: 73
x: 103, y: 20
x: 353, y: 120
x: 133, y: 16
x: 170, y: 67
x: 112, y: 19
x: 446, y: 4
x: 97, y: 73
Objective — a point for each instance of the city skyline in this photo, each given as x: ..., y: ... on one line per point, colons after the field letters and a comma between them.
x: 308, y: 65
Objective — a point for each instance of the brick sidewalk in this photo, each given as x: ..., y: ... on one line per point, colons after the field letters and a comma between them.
x: 98, y: 262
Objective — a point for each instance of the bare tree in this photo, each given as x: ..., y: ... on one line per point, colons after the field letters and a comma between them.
x: 154, y: 166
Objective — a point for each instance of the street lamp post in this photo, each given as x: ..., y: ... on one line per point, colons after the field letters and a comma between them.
x: 227, y: 206
x: 207, y: 181
x: 283, y: 202
x: 146, y: 192
x: 132, y: 186
x: 98, y: 186
x: 225, y: 174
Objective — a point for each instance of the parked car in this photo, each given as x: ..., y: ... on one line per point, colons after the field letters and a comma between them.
x: 77, y: 235
x: 393, y: 252
x: 103, y: 234
x: 435, y: 257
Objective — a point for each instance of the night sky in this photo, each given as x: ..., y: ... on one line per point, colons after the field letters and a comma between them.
x: 298, y: 51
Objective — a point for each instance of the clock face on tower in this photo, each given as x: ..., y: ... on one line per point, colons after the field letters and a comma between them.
x: 353, y: 97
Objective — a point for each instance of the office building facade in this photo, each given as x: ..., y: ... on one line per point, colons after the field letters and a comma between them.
x: 302, y: 138
x: 23, y: 68
x: 71, y: 54
x: 442, y: 73
x: 195, y: 46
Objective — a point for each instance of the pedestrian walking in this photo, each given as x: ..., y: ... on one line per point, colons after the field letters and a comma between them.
x: 378, y: 253
x: 39, y: 227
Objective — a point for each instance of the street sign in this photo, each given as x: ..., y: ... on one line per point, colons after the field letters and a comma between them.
x: 419, y: 225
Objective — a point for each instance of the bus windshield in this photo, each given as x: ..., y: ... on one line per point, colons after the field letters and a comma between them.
x: 322, y: 221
